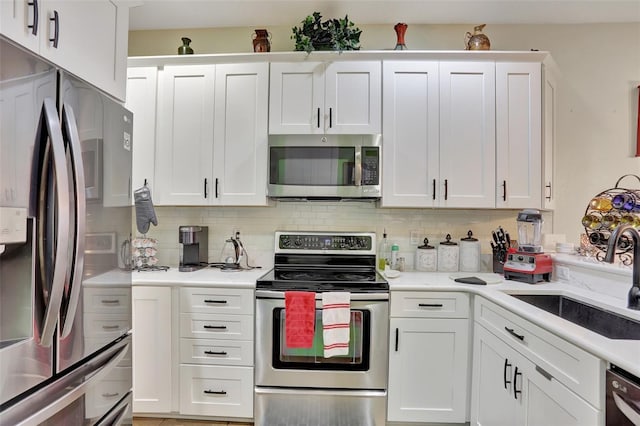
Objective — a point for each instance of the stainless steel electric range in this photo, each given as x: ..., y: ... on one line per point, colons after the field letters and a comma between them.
x: 300, y: 386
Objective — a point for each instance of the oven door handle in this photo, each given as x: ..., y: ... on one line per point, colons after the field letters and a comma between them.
x: 320, y: 392
x: 627, y: 409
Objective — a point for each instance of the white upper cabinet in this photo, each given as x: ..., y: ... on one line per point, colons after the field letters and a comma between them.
x: 411, y: 140
x: 550, y: 95
x: 86, y: 38
x: 211, y: 145
x: 341, y: 97
x: 240, y: 134
x: 467, y: 134
x: 142, y: 83
x: 518, y: 135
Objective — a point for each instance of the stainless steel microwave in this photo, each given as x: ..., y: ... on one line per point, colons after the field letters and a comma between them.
x: 330, y: 166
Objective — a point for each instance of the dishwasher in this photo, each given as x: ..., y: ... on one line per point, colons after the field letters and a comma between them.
x: 623, y: 398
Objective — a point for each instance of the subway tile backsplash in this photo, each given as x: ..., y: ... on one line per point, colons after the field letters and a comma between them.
x: 258, y: 224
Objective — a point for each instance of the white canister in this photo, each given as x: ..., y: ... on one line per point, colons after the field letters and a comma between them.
x: 469, y: 254
x: 426, y: 258
x: 448, y: 255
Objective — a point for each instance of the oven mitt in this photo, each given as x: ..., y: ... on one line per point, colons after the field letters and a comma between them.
x: 145, y: 213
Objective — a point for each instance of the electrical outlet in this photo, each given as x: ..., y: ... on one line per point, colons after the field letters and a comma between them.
x: 414, y: 237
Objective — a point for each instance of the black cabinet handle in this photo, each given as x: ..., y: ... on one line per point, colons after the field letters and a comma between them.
x: 210, y: 392
x: 220, y: 302
x: 514, y: 334
x: 548, y: 186
x: 446, y: 189
x: 330, y: 117
x: 215, y: 327
x: 318, y: 118
x: 56, y: 28
x: 217, y: 183
x: 110, y: 301
x: 205, y: 188
x: 430, y: 305
x: 504, y: 190
x: 434, y: 189
x: 34, y: 26
x: 515, y: 386
x: 504, y: 373
x: 223, y: 353
x: 397, y: 337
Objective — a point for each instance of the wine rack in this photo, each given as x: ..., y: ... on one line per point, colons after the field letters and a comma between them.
x: 605, y: 212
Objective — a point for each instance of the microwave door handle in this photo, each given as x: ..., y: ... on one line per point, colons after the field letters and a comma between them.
x: 70, y: 134
x: 54, y: 150
x: 358, y: 166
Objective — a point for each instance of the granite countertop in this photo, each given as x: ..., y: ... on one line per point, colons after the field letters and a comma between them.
x: 624, y: 353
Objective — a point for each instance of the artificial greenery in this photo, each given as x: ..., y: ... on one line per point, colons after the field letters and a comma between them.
x: 332, y: 34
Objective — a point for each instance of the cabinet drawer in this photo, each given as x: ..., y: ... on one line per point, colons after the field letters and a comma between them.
x: 217, y: 300
x: 106, y: 325
x: 107, y: 300
x: 216, y: 326
x: 428, y: 304
x: 216, y: 391
x: 107, y: 392
x: 575, y: 368
x: 217, y: 352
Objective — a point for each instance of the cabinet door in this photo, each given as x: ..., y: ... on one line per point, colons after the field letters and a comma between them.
x: 152, y: 382
x: 411, y: 137
x: 91, y: 40
x: 240, y: 135
x: 549, y: 136
x: 353, y: 97
x: 428, y: 370
x: 467, y: 134
x: 494, y: 363
x: 141, y: 100
x: 17, y: 21
x: 518, y: 135
x: 184, y: 146
x: 296, y: 98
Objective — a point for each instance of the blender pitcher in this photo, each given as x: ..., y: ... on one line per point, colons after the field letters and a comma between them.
x: 530, y: 231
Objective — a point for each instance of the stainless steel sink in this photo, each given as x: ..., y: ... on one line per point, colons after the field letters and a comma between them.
x: 598, y: 320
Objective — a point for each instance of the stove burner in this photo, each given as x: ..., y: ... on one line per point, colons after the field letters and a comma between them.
x: 325, y: 276
x: 150, y: 268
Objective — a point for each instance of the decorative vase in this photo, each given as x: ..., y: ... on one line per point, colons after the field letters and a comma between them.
x: 261, y: 42
x: 185, y: 49
x: 477, y: 40
x: 401, y: 29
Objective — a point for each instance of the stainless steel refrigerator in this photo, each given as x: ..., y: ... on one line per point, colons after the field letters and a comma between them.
x: 65, y: 224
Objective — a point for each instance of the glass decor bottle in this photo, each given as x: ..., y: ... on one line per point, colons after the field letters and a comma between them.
x: 401, y: 29
x: 185, y: 49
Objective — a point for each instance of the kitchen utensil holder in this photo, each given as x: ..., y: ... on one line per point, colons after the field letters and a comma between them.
x: 599, y: 221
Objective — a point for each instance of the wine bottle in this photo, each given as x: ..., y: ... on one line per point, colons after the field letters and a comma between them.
x: 591, y: 221
x: 602, y: 204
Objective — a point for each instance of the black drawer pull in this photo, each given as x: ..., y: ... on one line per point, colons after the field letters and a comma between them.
x: 514, y: 334
x: 110, y: 395
x: 506, y: 364
x: 221, y: 302
x: 222, y: 353
x: 544, y: 373
x: 110, y: 302
x: 215, y: 327
x: 110, y: 327
x: 210, y: 392
x: 397, y: 338
x: 430, y: 305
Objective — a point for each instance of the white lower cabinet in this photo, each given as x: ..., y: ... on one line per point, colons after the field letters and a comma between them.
x: 428, y: 357
x: 524, y: 375
x: 152, y: 379
x: 216, y: 352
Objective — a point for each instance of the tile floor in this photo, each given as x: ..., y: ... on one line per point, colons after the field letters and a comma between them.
x: 148, y: 421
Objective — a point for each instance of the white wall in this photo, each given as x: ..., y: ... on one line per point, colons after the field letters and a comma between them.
x: 597, y: 113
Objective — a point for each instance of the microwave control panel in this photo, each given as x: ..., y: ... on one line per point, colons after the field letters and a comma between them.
x: 370, y: 166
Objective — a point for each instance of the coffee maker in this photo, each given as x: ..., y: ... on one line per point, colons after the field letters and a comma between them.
x: 194, y: 250
x: 529, y: 264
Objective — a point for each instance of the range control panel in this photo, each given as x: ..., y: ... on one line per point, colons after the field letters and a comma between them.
x: 324, y: 242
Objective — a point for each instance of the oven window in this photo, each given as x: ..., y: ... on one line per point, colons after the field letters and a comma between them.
x: 313, y: 358
x: 312, y: 166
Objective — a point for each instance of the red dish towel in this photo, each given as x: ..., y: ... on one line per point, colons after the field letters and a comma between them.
x: 300, y: 318
x: 336, y: 315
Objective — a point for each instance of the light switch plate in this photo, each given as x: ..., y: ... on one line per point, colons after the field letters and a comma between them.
x: 414, y: 237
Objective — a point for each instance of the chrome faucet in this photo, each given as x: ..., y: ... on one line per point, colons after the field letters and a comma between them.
x: 634, y: 293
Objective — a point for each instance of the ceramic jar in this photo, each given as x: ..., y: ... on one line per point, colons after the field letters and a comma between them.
x: 469, y: 254
x: 448, y: 255
x: 426, y: 258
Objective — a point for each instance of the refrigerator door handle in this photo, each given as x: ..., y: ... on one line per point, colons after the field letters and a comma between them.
x: 54, y: 149
x: 70, y: 134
